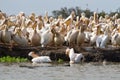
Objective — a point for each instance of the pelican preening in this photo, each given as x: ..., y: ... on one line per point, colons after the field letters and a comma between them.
x: 33, y: 30
x: 74, y: 57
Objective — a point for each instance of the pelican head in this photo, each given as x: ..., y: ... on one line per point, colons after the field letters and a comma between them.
x: 67, y: 51
x: 21, y: 14
x: 73, y: 14
x: 32, y: 16
x: 32, y: 54
x: 83, y: 14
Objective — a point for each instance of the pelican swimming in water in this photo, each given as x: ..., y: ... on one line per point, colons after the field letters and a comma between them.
x: 39, y: 59
x: 74, y: 57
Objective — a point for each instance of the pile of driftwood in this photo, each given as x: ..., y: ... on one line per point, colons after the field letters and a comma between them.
x: 91, y: 54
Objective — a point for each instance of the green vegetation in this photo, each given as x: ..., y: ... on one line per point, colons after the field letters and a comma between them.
x: 13, y: 59
x: 60, y: 60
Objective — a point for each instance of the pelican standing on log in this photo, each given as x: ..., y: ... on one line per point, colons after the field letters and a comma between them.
x: 46, y: 38
x: 58, y: 38
x: 115, y: 38
x: 19, y: 38
x: 35, y: 37
x: 103, y: 39
x: 6, y: 35
x: 81, y: 35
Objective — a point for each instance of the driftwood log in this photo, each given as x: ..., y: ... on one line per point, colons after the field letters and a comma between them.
x: 91, y: 54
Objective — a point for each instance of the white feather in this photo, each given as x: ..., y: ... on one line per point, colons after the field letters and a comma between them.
x: 41, y: 59
x: 75, y: 57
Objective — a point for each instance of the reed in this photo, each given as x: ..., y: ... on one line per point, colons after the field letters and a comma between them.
x: 12, y: 59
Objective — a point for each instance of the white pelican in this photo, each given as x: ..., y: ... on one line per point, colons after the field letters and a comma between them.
x: 46, y: 17
x: 62, y: 29
x: 87, y: 36
x: 24, y: 25
x: 81, y: 36
x: 72, y: 36
x: 19, y: 38
x: 39, y: 59
x: 32, y: 17
x: 69, y: 19
x: 6, y: 35
x: 40, y: 23
x: 74, y: 57
x: 84, y: 19
x: 58, y: 38
x: 35, y: 37
x: 96, y: 17
x: 103, y: 39
x: 46, y: 38
x: 115, y: 38
x: 96, y: 32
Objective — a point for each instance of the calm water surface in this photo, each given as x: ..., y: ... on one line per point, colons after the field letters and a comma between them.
x: 86, y: 71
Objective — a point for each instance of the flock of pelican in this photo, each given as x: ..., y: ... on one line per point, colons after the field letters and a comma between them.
x: 46, y: 31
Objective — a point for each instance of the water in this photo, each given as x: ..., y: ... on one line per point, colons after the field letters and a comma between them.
x: 86, y: 71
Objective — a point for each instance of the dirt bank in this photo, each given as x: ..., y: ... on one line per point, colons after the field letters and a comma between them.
x: 91, y: 54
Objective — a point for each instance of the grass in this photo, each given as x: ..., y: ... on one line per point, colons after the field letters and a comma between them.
x: 12, y: 59
x: 60, y: 60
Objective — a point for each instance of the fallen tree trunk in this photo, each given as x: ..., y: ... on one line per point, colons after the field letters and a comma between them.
x: 91, y: 54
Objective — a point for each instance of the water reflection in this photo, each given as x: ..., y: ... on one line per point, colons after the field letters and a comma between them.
x: 86, y: 71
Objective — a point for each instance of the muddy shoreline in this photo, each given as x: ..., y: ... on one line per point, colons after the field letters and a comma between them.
x: 91, y: 54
